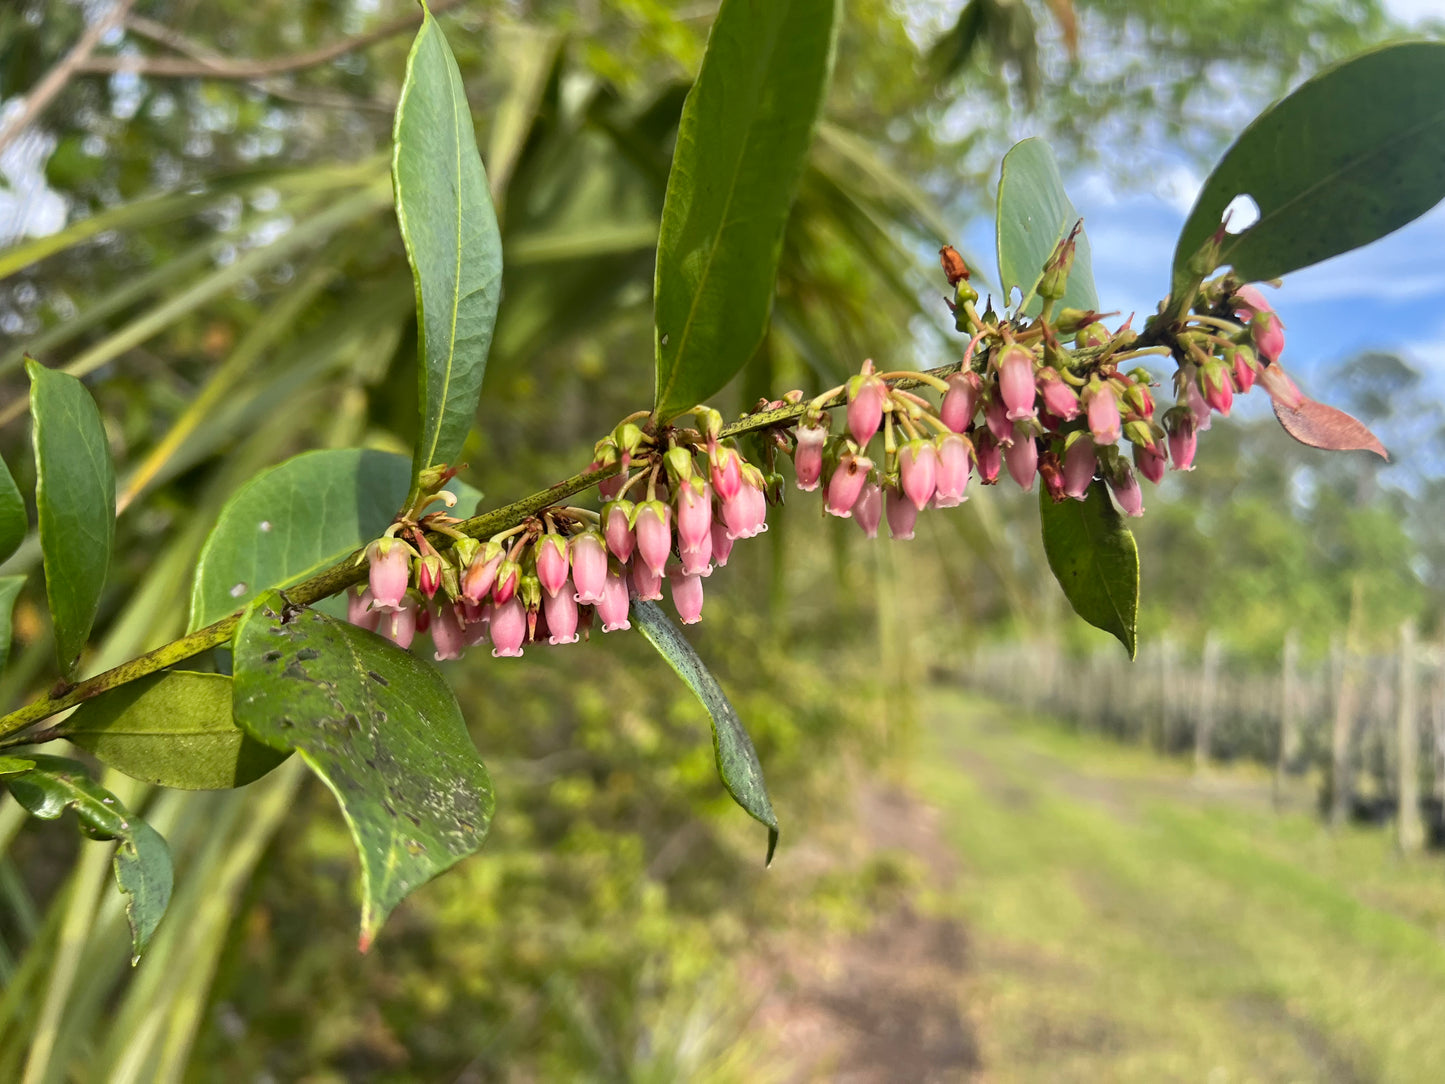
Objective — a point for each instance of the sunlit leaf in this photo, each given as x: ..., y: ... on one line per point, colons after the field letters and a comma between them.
x: 450, y: 230
x: 741, y: 146
x: 737, y: 760
x: 174, y: 730
x: 75, y: 501
x: 1034, y: 215
x: 142, y: 859
x: 297, y: 518
x: 1094, y: 558
x: 381, y: 729
x: 1352, y: 154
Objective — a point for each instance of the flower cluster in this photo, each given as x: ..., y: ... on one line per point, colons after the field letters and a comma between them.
x: 678, y: 498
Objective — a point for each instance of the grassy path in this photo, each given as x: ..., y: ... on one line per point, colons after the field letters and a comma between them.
x: 1127, y: 923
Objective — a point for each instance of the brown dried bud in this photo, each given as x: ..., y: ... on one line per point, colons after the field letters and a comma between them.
x: 953, y: 265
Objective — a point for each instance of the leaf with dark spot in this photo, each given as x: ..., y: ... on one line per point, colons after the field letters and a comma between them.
x: 415, y: 794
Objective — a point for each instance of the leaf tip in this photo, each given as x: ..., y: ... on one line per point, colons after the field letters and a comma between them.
x: 772, y: 846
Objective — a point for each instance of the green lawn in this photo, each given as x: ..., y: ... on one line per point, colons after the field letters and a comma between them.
x: 1128, y: 923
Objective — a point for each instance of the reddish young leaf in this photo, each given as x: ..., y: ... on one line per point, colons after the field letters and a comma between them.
x: 1322, y: 426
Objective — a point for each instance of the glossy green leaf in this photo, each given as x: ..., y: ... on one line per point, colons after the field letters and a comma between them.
x: 13, y: 765
x: 142, y: 860
x: 297, y: 518
x: 741, y: 147
x: 75, y: 500
x: 1355, y: 152
x: 381, y: 729
x: 737, y: 760
x: 1034, y: 215
x: 9, y: 589
x: 450, y: 231
x: 13, y: 523
x: 174, y: 730
x: 1094, y: 558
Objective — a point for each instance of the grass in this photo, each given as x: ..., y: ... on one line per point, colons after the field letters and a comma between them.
x: 1129, y: 923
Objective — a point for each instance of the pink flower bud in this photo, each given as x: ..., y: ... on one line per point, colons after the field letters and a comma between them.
x: 589, y: 567
x: 359, y: 610
x: 654, y: 536
x: 1022, y: 457
x: 694, y: 515
x: 1103, y: 408
x: 996, y: 415
x: 1267, y: 331
x: 866, y: 395
x: 686, y: 595
x: 808, y: 457
x: 918, y: 471
x: 646, y: 584
x: 612, y: 611
x: 1126, y: 490
x: 508, y: 575
x: 847, y: 483
x: 1060, y: 400
x: 560, y: 610
x: 552, y: 562
x: 1242, y: 368
x: 868, y: 509
x: 960, y: 402
x: 447, y: 634
x: 1217, y: 388
x: 389, y: 573
x: 953, y: 467
x: 1194, y: 398
x: 1016, y: 382
x: 727, y: 475
x: 399, y: 625
x: 1079, y: 465
x: 902, y: 515
x: 1149, y: 458
x: 722, y: 543
x: 1248, y: 303
x: 509, y: 628
x: 481, y: 574
x: 988, y: 455
x: 617, y: 529
x: 428, y: 574
x: 1183, y: 437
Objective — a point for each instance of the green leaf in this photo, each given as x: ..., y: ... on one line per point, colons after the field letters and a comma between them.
x: 75, y: 498
x: 297, y: 518
x: 1034, y: 215
x: 737, y: 760
x: 12, y: 765
x: 1095, y: 560
x: 9, y: 588
x: 741, y: 147
x: 381, y: 729
x: 174, y: 730
x: 13, y: 522
x: 142, y: 859
x: 1352, y: 154
x: 450, y: 231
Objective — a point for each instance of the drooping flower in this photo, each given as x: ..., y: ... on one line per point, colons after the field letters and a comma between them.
x: 868, y: 509
x: 808, y: 456
x: 726, y: 469
x: 686, y: 594
x: 481, y: 574
x: 389, y: 573
x: 722, y: 543
x: 988, y: 455
x: 1016, y: 382
x: 694, y: 514
x: 1149, y: 458
x: 847, y: 483
x: 399, y: 624
x: 1103, y: 409
x: 552, y: 562
x: 866, y: 395
x: 902, y: 514
x: 1080, y: 462
x: 646, y: 584
x: 960, y: 402
x: 613, y: 609
x: 359, y: 610
x: 654, y: 537
x: 1022, y: 458
x: 617, y: 529
x: 1059, y: 399
x: 1267, y: 331
x: 589, y: 568
x: 1126, y: 489
x: 953, y: 467
x: 509, y: 628
x: 560, y: 611
x: 918, y: 471
x: 447, y: 634
x: 1183, y: 437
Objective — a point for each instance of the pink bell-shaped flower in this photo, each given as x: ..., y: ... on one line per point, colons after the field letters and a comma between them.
x: 509, y: 628
x: 1103, y: 410
x: 1149, y: 458
x: 868, y: 509
x: 849, y: 477
x: 1080, y: 463
x: 646, y: 584
x: 612, y: 611
x: 1183, y: 437
x: 1126, y: 489
x: 1022, y: 459
x: 654, y: 537
x: 447, y: 634
x: 509, y: 574
x: 746, y: 515
x: 481, y: 574
x: 722, y: 543
x: 1217, y: 386
x: 1016, y: 382
x: 617, y: 529
x: 918, y: 471
x: 1248, y: 303
x: 552, y: 562
x: 359, y: 610
x: 1242, y: 368
x: 1060, y: 400
x: 995, y: 414
x: 726, y: 470
x: 808, y: 456
x: 960, y: 401
x: 902, y: 514
x: 866, y: 396
x: 560, y: 611
x: 589, y: 568
x: 953, y: 467
x: 694, y: 515
x: 389, y: 573
x: 399, y: 625
x: 686, y: 595
x: 988, y: 455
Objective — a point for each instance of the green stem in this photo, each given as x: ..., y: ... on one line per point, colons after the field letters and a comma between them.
x: 351, y: 571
